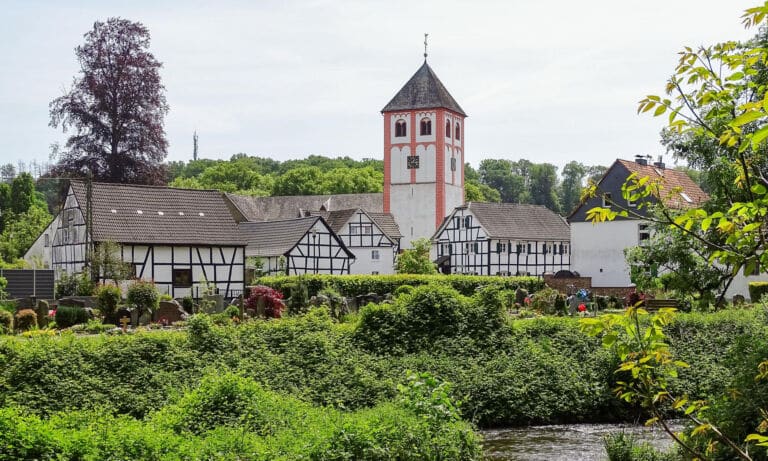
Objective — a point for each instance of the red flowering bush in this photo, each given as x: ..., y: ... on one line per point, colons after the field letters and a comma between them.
x: 266, y: 301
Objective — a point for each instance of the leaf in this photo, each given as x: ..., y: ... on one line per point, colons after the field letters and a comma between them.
x: 759, y: 137
x: 759, y: 189
x: 745, y: 118
x: 660, y: 110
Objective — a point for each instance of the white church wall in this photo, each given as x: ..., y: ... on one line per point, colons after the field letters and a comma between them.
x: 426, y: 170
x: 417, y: 203
x: 399, y: 170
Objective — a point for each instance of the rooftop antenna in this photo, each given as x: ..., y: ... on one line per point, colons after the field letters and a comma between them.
x: 425, y: 46
x: 194, y: 148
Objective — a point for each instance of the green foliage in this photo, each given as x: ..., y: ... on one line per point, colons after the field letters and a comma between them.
x: 232, y: 311
x: 6, y: 322
x: 143, y: 295
x: 22, y: 193
x: 621, y: 446
x: 544, y: 300
x: 429, y: 398
x: 95, y: 326
x: 67, y: 316
x: 108, y: 297
x: 106, y: 261
x: 757, y: 290
x: 25, y: 319
x: 20, y: 230
x: 416, y: 260
x: 357, y: 285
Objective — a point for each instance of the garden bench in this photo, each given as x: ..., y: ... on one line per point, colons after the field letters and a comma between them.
x: 653, y: 305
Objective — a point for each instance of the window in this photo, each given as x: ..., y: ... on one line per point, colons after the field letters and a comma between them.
x: 426, y: 127
x: 643, y: 234
x: 468, y: 221
x: 360, y: 229
x: 501, y: 247
x: 47, y: 240
x: 606, y: 199
x: 529, y: 248
x: 400, y: 130
x: 375, y: 255
x: 182, y: 278
x: 469, y: 247
x: 447, y: 128
x: 457, y: 132
x: 453, y: 163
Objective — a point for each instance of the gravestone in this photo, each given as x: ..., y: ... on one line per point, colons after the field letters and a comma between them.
x: 169, y: 312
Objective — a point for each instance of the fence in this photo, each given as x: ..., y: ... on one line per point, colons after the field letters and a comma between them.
x: 25, y: 283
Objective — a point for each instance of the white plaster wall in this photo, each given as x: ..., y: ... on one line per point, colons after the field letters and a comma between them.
x: 392, y: 121
x: 399, y: 172
x: 427, y: 163
x: 597, y: 251
x: 447, y: 175
x: 740, y: 285
x: 39, y: 250
x: 454, y: 197
x: 413, y: 206
x: 365, y: 264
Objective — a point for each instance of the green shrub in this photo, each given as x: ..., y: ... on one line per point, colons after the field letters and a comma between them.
x: 85, y: 285
x: 108, y: 298
x: 25, y: 319
x: 358, y: 285
x: 143, y: 295
x: 297, y: 296
x: 95, y: 326
x: 188, y: 303
x: 3, y: 286
x: 232, y: 311
x: 403, y: 290
x: 381, y: 327
x: 66, y: 285
x: 621, y: 446
x: 544, y: 300
x: 6, y: 322
x: 757, y: 290
x: 67, y: 316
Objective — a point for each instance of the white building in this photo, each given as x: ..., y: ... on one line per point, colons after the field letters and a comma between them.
x: 178, y: 238
x: 502, y: 239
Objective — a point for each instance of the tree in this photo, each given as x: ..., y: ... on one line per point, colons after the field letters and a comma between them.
x: 570, y: 188
x: 115, y: 107
x: 22, y: 193
x: 416, y: 260
x: 718, y: 109
x: 498, y: 175
x: 543, y: 185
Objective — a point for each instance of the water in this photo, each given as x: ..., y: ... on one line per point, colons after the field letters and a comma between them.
x: 569, y: 442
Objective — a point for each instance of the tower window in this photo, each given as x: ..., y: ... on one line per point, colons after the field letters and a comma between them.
x: 453, y: 163
x: 448, y: 129
x: 426, y: 127
x: 400, y: 128
x: 458, y: 132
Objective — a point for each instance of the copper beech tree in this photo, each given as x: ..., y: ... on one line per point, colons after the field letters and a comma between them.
x: 114, y: 109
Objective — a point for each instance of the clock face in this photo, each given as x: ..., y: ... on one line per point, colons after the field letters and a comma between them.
x: 413, y: 162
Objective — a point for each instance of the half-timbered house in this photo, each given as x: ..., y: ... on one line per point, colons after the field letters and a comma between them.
x: 178, y: 238
x: 502, y: 239
x: 374, y: 238
x: 296, y: 246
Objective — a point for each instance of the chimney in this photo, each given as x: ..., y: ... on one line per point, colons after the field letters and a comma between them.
x: 641, y: 160
x: 660, y: 165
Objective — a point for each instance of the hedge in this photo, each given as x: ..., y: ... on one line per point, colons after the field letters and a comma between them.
x: 357, y: 285
x: 757, y: 290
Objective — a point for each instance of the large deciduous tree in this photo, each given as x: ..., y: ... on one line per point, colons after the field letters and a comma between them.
x: 115, y: 108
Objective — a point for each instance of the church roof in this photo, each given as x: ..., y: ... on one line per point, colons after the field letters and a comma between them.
x: 250, y: 208
x: 423, y: 91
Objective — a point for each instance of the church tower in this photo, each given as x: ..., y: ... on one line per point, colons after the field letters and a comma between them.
x: 423, y: 155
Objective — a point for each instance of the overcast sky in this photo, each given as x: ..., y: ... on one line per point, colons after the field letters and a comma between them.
x: 548, y: 81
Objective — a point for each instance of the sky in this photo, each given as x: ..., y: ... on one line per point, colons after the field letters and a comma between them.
x: 550, y: 81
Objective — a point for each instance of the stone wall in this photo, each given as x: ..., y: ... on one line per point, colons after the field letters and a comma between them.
x: 561, y: 284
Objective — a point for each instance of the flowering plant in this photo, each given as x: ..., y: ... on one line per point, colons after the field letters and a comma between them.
x: 270, y: 299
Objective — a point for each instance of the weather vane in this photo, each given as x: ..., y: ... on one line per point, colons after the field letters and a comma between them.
x: 425, y: 46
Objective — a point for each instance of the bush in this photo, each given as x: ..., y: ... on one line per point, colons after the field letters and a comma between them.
x: 757, y: 290
x: 188, y: 303
x: 143, y: 295
x: 67, y: 316
x: 66, y: 285
x: 544, y: 300
x: 265, y: 301
x: 6, y: 322
x: 358, y: 285
x: 108, y: 298
x: 25, y: 319
x: 621, y: 446
x: 403, y: 290
x: 232, y: 311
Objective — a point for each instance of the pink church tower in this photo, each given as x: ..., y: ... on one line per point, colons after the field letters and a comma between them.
x: 423, y: 155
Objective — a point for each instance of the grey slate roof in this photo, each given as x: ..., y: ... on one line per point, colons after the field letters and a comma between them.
x: 423, y: 91
x: 168, y: 216
x: 387, y: 224
x: 284, y: 207
x: 275, y: 238
x: 520, y: 222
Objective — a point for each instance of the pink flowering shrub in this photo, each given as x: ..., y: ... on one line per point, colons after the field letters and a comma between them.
x: 266, y: 301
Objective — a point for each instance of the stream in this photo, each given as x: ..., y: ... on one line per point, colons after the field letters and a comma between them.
x: 567, y: 442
